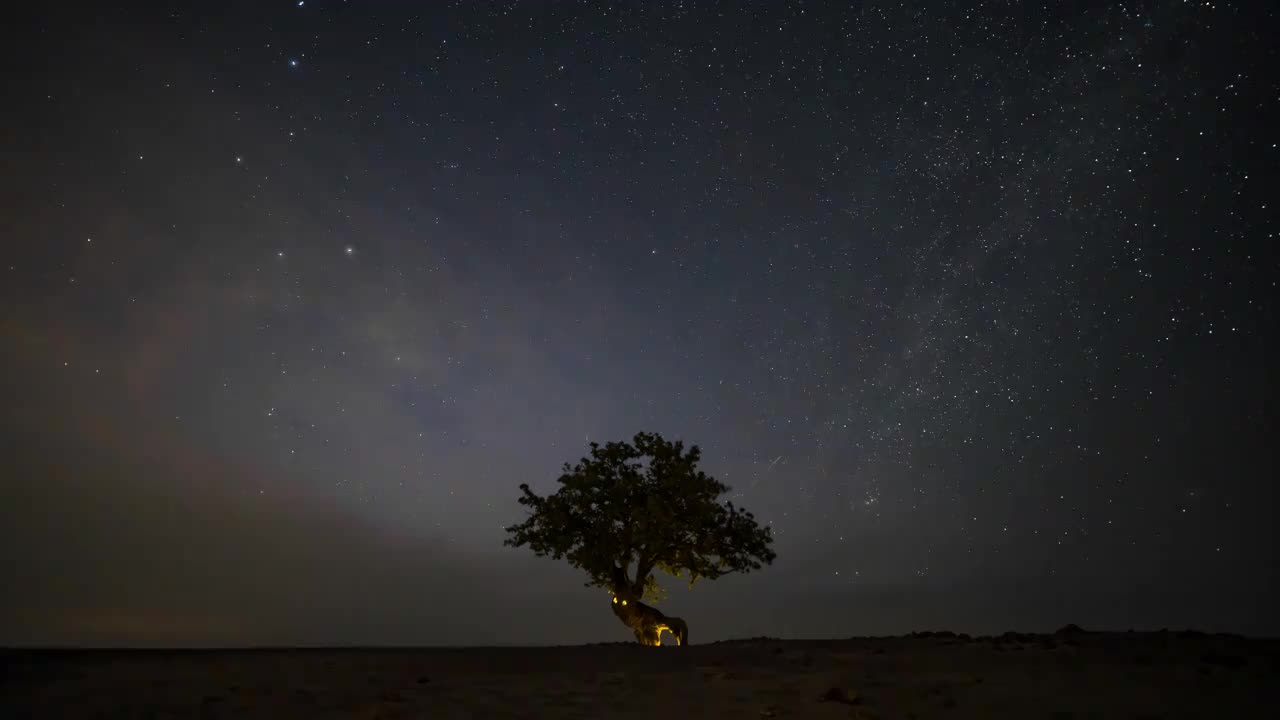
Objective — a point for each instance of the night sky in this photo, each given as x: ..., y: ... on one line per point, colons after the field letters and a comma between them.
x: 971, y: 306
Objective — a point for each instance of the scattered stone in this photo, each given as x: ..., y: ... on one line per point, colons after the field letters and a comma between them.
x: 841, y: 695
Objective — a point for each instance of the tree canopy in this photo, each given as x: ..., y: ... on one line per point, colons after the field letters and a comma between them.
x: 631, y: 508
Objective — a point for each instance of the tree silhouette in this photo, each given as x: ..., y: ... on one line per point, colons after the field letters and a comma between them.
x: 632, y: 508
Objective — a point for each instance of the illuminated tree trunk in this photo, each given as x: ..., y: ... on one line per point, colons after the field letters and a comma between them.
x: 647, y: 623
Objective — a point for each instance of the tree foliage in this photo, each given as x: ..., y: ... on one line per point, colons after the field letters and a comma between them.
x: 631, y: 508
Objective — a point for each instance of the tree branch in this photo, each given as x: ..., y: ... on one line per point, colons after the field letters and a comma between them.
x: 644, y: 566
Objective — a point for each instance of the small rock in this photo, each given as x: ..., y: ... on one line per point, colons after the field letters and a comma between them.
x: 841, y: 695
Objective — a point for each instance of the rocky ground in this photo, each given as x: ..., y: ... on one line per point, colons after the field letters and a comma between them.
x: 1071, y: 674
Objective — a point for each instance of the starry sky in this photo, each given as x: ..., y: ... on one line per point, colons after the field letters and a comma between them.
x: 970, y: 305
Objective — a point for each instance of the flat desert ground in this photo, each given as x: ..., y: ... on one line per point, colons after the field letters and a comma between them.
x: 926, y: 675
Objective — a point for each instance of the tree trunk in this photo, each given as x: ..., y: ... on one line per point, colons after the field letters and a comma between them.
x: 647, y: 623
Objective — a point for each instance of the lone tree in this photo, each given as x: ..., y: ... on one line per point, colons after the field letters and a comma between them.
x: 635, y: 507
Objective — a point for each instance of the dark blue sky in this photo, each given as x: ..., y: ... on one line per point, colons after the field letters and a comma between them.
x: 971, y: 306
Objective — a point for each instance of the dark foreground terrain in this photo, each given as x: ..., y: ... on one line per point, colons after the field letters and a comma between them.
x: 1070, y: 674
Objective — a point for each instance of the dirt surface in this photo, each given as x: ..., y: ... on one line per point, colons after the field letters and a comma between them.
x: 927, y: 675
